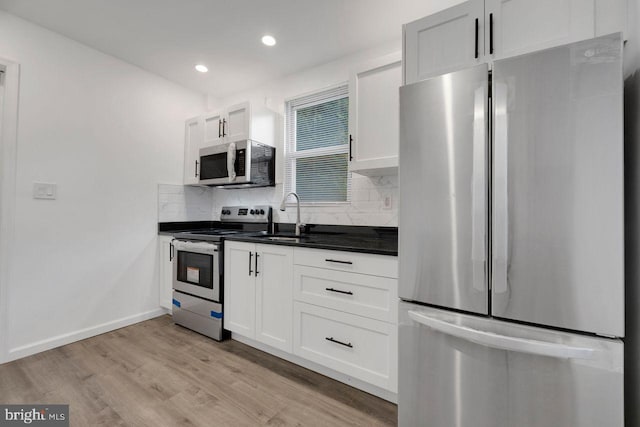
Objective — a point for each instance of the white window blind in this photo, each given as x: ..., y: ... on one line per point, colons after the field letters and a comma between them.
x: 317, y: 148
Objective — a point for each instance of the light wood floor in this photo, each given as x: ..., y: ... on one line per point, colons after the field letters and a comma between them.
x: 155, y: 373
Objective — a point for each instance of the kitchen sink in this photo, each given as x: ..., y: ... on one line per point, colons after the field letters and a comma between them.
x: 284, y: 238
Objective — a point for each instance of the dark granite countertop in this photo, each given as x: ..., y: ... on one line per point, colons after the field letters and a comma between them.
x: 365, y: 239
x: 381, y: 246
x: 373, y: 240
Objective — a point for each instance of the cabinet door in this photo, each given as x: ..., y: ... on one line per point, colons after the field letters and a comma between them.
x: 611, y: 17
x: 374, y: 112
x: 166, y: 271
x: 521, y: 26
x: 239, y: 288
x: 274, y: 296
x: 236, y: 123
x: 445, y: 41
x: 193, y: 136
x: 212, y: 128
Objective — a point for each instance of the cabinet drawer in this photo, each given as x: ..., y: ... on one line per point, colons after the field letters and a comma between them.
x: 361, y: 294
x: 363, y: 348
x: 377, y: 265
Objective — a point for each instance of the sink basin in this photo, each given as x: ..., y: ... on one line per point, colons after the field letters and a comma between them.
x: 284, y: 238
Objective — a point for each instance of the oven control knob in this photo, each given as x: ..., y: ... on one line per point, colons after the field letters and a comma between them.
x: 252, y: 212
x: 261, y: 211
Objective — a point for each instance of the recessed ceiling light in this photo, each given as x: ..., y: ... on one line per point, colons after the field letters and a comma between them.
x: 202, y: 68
x: 268, y: 40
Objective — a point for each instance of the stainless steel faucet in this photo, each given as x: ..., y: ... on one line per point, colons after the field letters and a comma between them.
x: 283, y: 206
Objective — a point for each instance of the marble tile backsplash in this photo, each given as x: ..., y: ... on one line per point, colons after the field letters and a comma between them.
x: 367, y: 206
x: 184, y: 203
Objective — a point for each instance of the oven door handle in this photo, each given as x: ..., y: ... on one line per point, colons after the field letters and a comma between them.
x: 250, y: 256
x: 171, y: 250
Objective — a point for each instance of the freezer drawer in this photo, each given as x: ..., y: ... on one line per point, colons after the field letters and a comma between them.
x: 460, y: 370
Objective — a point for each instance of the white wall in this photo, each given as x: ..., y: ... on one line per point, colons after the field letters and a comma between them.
x: 106, y: 132
x: 366, y: 207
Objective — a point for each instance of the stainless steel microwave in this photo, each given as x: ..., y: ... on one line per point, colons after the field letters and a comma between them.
x: 237, y: 165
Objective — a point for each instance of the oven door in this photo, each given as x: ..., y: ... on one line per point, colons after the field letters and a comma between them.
x: 224, y: 164
x: 196, y: 269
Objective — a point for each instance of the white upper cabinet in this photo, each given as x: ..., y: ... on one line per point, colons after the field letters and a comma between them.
x: 236, y: 126
x: 611, y: 17
x: 521, y: 26
x: 238, y: 123
x: 445, y: 41
x: 213, y: 128
x: 193, y: 137
x: 484, y: 30
x: 373, y: 116
x: 230, y: 125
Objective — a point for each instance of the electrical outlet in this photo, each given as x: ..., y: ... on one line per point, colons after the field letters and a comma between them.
x: 387, y: 202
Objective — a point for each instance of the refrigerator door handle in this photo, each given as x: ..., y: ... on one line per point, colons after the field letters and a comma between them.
x: 500, y: 267
x: 479, y: 191
x: 503, y: 342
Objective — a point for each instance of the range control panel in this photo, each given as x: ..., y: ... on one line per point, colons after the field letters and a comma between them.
x: 255, y: 214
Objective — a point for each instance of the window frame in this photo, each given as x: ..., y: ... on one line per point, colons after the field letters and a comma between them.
x: 309, y: 99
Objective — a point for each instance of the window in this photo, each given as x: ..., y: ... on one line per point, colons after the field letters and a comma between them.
x: 317, y: 154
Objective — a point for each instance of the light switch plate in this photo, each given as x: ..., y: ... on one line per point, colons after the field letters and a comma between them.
x: 43, y: 190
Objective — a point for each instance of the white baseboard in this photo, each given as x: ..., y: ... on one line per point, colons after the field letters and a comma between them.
x: 60, y: 340
x: 338, y: 376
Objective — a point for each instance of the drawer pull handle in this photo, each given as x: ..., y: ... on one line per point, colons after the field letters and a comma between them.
x: 339, y: 291
x: 339, y: 261
x: 339, y: 342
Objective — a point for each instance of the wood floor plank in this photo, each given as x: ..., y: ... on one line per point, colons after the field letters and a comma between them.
x: 156, y: 373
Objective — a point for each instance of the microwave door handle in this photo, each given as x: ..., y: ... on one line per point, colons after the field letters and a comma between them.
x: 231, y: 162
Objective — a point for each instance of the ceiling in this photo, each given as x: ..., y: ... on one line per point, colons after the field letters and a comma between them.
x: 169, y: 37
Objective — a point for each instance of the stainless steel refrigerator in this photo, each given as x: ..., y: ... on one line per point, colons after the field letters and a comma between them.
x: 511, y: 242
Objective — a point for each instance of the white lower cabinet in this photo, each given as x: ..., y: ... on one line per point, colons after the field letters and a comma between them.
x: 258, y: 292
x: 346, y: 313
x: 363, y: 348
x: 323, y: 309
x: 360, y: 294
x: 165, y: 271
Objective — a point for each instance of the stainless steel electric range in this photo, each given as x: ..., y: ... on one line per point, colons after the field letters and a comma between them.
x: 198, y: 276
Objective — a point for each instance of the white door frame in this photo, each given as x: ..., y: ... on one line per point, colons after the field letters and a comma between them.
x: 8, y: 167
